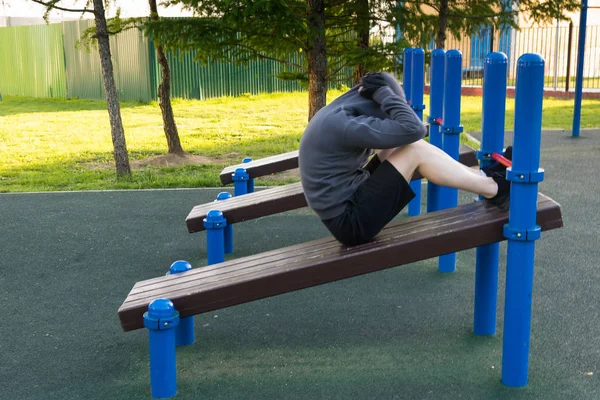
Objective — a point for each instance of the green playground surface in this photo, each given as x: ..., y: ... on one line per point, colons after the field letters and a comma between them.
x: 68, y: 260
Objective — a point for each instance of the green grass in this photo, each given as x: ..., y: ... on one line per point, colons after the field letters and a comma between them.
x: 50, y: 144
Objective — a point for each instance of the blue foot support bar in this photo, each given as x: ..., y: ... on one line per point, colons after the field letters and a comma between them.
x: 492, y: 141
x: 436, y: 102
x: 521, y: 230
x: 417, y: 82
x: 161, y: 321
x: 451, y: 130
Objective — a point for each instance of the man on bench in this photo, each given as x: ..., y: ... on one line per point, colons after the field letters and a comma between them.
x: 356, y: 202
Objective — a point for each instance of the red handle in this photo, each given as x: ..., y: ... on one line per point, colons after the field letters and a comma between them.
x: 502, y: 160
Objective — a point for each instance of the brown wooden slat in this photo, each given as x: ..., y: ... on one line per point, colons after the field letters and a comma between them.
x: 325, y: 260
x: 263, y: 166
x: 287, y: 161
x: 273, y: 201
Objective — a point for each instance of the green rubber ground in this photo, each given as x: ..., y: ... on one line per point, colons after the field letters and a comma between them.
x: 68, y: 260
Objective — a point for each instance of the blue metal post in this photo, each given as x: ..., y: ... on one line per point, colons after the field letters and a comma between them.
x: 580, y: 60
x: 215, y: 224
x: 184, y: 333
x: 451, y: 130
x: 160, y: 319
x: 436, y: 103
x: 492, y: 141
x: 407, y: 73
x: 521, y: 230
x: 250, y: 180
x: 240, y: 181
x: 417, y: 83
x: 229, y: 227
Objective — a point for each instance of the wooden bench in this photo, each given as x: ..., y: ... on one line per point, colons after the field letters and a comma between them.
x: 266, y: 166
x: 274, y: 200
x: 325, y: 260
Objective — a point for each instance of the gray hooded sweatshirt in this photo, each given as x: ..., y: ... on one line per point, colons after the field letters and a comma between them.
x: 341, y: 137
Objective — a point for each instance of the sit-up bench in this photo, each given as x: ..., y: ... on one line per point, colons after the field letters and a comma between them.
x: 274, y: 200
x: 265, y: 166
x: 325, y: 260
x: 163, y: 304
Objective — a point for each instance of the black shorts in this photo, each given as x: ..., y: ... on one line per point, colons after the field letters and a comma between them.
x: 375, y: 203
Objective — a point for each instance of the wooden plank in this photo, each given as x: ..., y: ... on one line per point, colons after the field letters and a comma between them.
x: 273, y: 201
x: 325, y: 260
x: 263, y: 166
x: 287, y: 161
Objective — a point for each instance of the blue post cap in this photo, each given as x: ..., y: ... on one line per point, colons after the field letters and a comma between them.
x: 240, y: 174
x: 214, y: 219
x: 530, y: 60
x: 419, y: 51
x: 453, y: 54
x: 408, y: 50
x: 179, y: 266
x: 496, y: 57
x: 247, y: 160
x: 223, y: 196
x: 438, y: 53
x: 161, y: 315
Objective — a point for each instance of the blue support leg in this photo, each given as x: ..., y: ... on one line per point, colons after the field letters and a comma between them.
x: 229, y: 227
x: 161, y: 319
x: 436, y: 103
x: 486, y: 268
x: 250, y: 188
x: 417, y: 83
x: 215, y: 225
x: 240, y: 181
x: 451, y: 130
x: 522, y: 230
x: 184, y: 333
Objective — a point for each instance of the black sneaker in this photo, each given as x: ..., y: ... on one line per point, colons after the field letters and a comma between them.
x: 502, y: 198
x: 497, y: 172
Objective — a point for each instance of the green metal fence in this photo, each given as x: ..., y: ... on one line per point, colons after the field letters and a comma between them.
x: 32, y: 61
x: 45, y: 61
x: 192, y: 80
x: 129, y: 51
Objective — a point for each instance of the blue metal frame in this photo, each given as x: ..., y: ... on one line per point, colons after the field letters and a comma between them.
x: 250, y: 187
x: 417, y: 84
x: 580, y: 61
x: 436, y: 103
x: 161, y: 319
x: 451, y: 130
x: 184, y: 333
x: 228, y: 231
x: 492, y: 141
x: 522, y: 230
x: 414, y: 207
x: 215, y: 224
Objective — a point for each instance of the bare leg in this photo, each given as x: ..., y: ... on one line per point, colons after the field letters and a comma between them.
x: 384, y: 154
x: 439, y: 168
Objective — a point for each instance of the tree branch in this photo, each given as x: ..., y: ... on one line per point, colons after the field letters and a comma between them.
x: 54, y: 6
x: 265, y: 57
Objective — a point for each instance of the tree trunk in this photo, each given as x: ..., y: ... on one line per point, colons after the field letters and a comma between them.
x: 362, y: 31
x: 440, y: 41
x: 317, y: 57
x: 164, y: 93
x: 110, y: 90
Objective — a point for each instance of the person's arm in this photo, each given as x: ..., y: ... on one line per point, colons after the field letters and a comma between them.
x: 403, y: 127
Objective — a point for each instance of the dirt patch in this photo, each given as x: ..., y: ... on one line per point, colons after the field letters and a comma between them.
x: 174, y: 160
